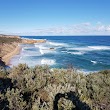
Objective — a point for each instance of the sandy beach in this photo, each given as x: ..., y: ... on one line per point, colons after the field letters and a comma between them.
x: 7, y: 57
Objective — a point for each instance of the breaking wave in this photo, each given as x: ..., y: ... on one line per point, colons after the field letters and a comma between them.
x: 49, y: 47
x: 74, y: 53
x: 56, y: 44
x: 47, y: 62
x: 91, y: 48
x: 94, y: 62
x: 99, y: 47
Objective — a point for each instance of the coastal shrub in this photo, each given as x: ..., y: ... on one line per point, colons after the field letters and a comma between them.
x: 15, y: 100
x: 3, y: 102
x: 99, y: 88
x: 65, y: 104
x: 42, y: 88
x: 9, y: 40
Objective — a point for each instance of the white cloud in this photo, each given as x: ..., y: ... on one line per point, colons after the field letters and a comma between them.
x: 86, y: 28
x: 78, y: 29
x: 66, y: 30
x: 108, y: 28
x: 101, y: 28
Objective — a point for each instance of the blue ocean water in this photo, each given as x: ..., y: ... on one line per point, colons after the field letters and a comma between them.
x: 87, y: 53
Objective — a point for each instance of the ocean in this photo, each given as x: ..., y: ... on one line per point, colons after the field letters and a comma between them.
x: 86, y: 53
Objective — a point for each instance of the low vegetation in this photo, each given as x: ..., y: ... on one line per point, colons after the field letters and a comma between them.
x: 42, y: 88
x: 9, y: 40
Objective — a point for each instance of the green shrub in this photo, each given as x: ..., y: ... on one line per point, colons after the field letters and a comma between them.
x: 35, y: 88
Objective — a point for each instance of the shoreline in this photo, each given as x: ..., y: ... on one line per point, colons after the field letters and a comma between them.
x: 8, y: 57
x: 9, y: 45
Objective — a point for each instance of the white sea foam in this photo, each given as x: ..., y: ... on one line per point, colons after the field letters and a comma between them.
x: 49, y: 44
x: 42, y: 46
x: 36, y: 45
x: 22, y: 49
x: 44, y: 49
x: 83, y: 50
x: 94, y: 62
x: 90, y: 48
x: 76, y: 53
x: 79, y: 49
x: 47, y: 61
x: 56, y: 44
x: 99, y: 47
x: 20, y: 58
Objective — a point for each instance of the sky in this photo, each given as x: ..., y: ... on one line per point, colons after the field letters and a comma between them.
x: 55, y: 17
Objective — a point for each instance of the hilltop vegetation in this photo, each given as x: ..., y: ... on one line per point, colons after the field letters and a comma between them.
x: 39, y: 88
x: 9, y: 40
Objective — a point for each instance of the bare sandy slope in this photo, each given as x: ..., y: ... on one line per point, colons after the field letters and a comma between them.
x: 8, y: 56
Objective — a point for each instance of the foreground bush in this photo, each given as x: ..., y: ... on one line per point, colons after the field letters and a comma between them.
x: 41, y: 88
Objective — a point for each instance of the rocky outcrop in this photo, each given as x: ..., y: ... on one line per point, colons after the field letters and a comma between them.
x: 29, y: 41
x: 52, y: 48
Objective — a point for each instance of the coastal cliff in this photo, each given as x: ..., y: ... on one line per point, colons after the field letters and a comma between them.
x: 9, y: 45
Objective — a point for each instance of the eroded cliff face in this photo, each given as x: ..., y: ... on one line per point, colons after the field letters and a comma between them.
x: 9, y: 46
x: 6, y: 48
x: 8, y: 43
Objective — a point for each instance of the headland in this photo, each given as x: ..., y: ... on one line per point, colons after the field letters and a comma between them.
x: 9, y: 46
